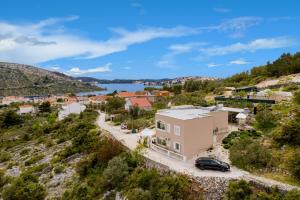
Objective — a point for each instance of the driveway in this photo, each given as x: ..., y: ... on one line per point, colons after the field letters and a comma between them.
x: 131, y: 141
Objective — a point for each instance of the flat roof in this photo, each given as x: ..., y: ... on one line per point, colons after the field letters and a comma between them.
x: 237, y: 110
x: 184, y: 114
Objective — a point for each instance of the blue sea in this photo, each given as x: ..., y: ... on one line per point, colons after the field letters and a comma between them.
x: 129, y: 87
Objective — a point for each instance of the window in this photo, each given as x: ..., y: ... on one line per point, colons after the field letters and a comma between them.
x: 160, y: 125
x: 161, y: 141
x: 177, y: 130
x: 177, y: 146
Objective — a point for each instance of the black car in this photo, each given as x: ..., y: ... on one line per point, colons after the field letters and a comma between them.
x: 211, y: 163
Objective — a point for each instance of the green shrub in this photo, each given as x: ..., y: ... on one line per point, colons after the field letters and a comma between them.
x: 265, y: 119
x: 4, y: 156
x: 115, y: 173
x: 238, y: 190
x: 25, y: 151
x: 295, y: 165
x: 289, y: 132
x: 34, y: 159
x: 249, y: 154
x: 138, y: 194
x: 58, y: 169
x: 24, y: 187
x: 3, y: 179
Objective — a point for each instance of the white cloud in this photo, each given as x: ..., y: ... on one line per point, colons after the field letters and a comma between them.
x: 45, y: 40
x: 126, y: 68
x: 240, y: 61
x: 56, y: 68
x: 212, y: 65
x: 252, y: 46
x: 235, y: 26
x: 222, y: 10
x: 77, y: 71
x: 168, y: 60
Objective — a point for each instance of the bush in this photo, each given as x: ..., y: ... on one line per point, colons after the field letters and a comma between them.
x: 295, y: 165
x: 24, y: 187
x: 59, y: 169
x: 4, y: 156
x: 265, y: 119
x: 138, y: 194
x: 297, y: 97
x: 10, y: 118
x: 238, y: 190
x: 249, y: 154
x: 289, y: 132
x: 33, y: 160
x: 3, y: 179
x: 115, y: 173
x: 292, y: 195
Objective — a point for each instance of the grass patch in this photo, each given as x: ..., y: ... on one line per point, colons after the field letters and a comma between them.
x: 281, y: 178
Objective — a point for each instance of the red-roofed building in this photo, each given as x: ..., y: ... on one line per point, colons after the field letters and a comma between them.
x: 126, y: 94
x: 98, y: 99
x: 142, y: 103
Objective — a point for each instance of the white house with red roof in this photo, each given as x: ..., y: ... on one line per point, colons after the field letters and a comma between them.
x: 142, y: 103
x: 25, y: 109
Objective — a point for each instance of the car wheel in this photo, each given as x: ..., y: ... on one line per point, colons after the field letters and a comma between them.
x: 223, y: 170
x: 201, y: 167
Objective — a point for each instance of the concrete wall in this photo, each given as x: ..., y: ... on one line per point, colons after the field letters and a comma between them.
x: 196, y: 135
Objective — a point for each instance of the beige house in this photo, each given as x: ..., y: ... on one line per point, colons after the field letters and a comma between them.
x: 185, y: 132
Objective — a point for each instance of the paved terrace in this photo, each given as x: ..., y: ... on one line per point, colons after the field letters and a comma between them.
x: 131, y: 141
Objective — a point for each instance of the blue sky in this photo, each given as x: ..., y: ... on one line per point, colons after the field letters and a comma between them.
x: 148, y: 38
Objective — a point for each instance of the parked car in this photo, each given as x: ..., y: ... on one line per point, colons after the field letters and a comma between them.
x: 123, y: 126
x: 211, y: 163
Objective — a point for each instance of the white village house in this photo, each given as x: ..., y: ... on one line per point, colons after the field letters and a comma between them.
x: 71, y: 108
x: 25, y: 109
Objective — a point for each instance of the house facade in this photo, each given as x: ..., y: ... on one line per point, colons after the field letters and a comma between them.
x: 186, y: 132
x: 71, y: 108
x: 26, y: 109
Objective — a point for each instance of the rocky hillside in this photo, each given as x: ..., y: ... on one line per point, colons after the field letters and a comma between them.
x: 19, y: 79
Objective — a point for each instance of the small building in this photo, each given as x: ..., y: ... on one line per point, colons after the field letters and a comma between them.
x: 100, y: 99
x: 70, y: 108
x: 184, y: 132
x: 142, y: 103
x: 14, y: 99
x: 26, y: 109
x: 126, y: 94
x: 246, y: 89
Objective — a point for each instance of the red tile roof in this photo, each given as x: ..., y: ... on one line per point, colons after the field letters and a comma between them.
x: 140, y: 102
x: 99, y: 98
x: 126, y: 94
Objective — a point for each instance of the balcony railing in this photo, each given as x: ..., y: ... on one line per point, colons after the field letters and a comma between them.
x: 167, y: 152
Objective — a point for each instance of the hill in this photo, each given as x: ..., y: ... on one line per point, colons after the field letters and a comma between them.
x: 286, y: 64
x: 19, y: 79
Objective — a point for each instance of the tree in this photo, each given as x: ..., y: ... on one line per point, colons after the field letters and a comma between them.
x: 45, y: 107
x: 265, y: 119
x: 115, y: 173
x: 177, y: 89
x: 114, y: 104
x: 134, y: 111
x: 238, y: 190
x: 10, y: 118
